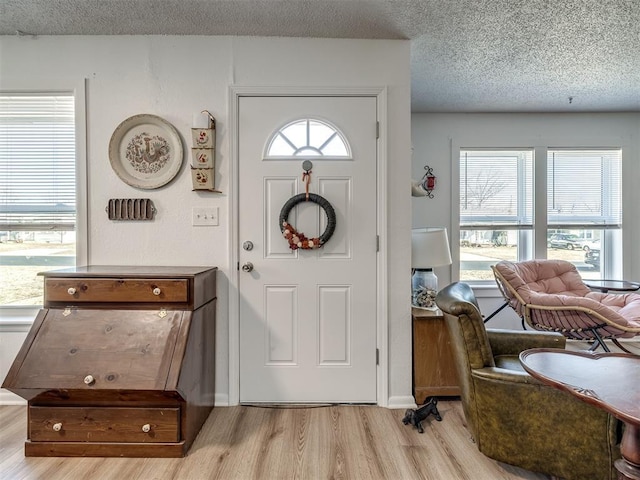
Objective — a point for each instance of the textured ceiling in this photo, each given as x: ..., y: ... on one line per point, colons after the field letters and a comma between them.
x: 466, y: 55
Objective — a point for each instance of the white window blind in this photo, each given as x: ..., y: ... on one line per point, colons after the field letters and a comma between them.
x: 583, y: 188
x: 496, y: 189
x: 583, y: 203
x: 37, y: 163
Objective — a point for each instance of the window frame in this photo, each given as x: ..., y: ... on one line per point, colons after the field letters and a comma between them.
x: 21, y: 314
x: 280, y: 132
x: 541, y: 146
x: 522, y: 223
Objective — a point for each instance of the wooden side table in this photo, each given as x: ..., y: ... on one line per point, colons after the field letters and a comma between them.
x: 434, y: 370
x: 612, y: 285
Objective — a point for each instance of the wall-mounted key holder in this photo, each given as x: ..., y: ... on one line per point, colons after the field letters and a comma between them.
x: 203, y: 137
x: 202, y: 157
x: 203, y: 153
x: 202, y: 179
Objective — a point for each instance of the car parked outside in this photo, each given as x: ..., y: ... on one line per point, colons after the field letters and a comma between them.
x: 568, y: 241
x: 591, y: 245
x: 592, y: 257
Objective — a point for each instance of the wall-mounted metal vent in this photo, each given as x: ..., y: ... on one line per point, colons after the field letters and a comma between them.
x: 130, y: 209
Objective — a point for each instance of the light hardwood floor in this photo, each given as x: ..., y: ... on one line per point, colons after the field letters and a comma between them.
x: 246, y: 443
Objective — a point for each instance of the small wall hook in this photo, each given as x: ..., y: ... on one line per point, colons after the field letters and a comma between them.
x: 212, y: 120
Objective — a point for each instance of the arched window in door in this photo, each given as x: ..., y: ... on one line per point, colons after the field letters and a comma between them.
x: 308, y: 137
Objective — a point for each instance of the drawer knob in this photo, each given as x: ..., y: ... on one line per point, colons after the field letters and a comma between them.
x: 57, y: 427
x: 71, y: 291
x: 157, y: 291
x: 146, y: 428
x: 89, y: 380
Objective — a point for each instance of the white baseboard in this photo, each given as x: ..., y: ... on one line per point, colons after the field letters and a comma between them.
x: 397, y: 402
x: 8, y: 398
x: 404, y: 402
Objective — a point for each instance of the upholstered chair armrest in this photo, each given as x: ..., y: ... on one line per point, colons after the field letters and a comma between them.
x: 504, y: 375
x: 510, y: 342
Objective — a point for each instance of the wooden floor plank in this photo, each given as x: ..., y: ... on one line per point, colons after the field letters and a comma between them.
x: 282, y: 443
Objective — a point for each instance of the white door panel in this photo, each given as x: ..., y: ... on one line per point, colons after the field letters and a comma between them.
x: 308, y: 317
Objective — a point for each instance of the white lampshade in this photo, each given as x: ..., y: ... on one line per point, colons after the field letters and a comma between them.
x: 429, y: 248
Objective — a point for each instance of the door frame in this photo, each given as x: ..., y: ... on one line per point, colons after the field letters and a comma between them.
x: 382, y: 321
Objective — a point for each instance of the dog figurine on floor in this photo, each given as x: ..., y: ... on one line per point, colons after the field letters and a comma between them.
x: 415, y: 417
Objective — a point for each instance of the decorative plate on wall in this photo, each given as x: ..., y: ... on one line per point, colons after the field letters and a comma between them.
x: 145, y: 151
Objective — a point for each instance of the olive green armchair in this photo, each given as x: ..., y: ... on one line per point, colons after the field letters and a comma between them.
x: 514, y: 418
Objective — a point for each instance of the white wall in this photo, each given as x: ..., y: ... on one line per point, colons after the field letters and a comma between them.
x: 436, y: 139
x: 175, y: 77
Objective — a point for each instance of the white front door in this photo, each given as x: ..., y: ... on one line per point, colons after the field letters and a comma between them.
x: 308, y: 317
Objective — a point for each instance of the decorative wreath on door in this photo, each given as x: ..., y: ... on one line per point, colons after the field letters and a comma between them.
x: 298, y: 239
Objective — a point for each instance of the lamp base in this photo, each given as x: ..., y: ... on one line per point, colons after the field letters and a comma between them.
x: 424, y: 287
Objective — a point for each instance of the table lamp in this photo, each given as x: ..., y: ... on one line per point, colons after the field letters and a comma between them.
x: 429, y: 249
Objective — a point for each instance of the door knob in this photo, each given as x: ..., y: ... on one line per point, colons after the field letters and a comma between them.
x: 247, y: 267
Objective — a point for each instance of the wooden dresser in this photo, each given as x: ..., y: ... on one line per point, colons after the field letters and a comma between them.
x: 434, y: 371
x: 119, y: 362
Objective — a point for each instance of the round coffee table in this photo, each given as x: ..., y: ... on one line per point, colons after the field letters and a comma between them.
x: 610, y: 381
x: 612, y: 285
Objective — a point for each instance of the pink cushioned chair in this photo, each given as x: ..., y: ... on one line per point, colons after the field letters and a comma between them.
x: 550, y: 295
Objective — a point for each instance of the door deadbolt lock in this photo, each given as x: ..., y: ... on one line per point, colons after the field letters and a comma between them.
x: 247, y: 267
x: 248, y: 246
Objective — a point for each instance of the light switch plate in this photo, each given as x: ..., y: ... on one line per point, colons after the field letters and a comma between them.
x: 204, y: 216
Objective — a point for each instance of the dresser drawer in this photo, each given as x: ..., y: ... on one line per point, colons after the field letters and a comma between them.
x: 85, y: 424
x: 75, y: 290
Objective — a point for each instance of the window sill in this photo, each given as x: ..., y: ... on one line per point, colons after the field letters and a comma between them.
x: 18, y: 317
x: 485, y: 290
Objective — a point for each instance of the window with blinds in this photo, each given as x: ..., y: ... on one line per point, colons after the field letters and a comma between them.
x: 496, y: 209
x: 496, y: 189
x: 37, y: 191
x: 584, y: 209
x: 583, y: 204
x: 583, y: 188
x: 37, y: 163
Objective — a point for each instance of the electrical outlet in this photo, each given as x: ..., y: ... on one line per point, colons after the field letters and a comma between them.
x: 204, y: 216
